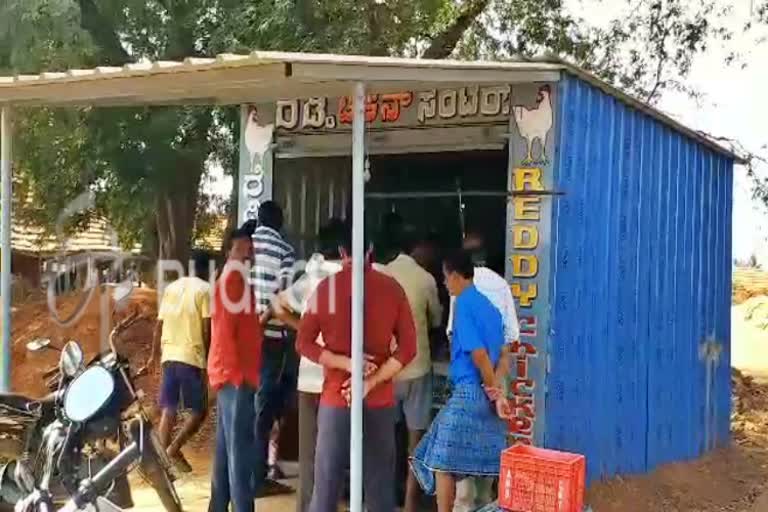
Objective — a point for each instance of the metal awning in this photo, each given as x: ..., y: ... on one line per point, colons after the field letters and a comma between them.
x: 260, y: 76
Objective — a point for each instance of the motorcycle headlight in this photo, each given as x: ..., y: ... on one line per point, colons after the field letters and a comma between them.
x: 88, y: 393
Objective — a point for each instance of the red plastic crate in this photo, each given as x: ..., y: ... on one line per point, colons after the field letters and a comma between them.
x: 539, y: 480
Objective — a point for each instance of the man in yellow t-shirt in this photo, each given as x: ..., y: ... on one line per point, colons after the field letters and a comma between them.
x: 182, y: 337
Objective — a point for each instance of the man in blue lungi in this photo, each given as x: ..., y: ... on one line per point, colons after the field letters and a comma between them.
x: 467, y: 437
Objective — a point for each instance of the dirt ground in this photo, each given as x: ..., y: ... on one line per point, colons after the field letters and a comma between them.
x: 35, y: 320
x: 748, y: 282
x: 194, y: 490
x: 734, y: 479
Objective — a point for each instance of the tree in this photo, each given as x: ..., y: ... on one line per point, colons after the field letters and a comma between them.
x: 145, y: 165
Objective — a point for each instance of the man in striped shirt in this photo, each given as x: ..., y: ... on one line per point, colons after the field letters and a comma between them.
x: 273, y: 267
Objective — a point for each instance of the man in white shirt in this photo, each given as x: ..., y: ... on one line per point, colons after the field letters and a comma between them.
x: 474, y: 492
x: 289, y: 307
x: 413, y: 385
x: 492, y: 285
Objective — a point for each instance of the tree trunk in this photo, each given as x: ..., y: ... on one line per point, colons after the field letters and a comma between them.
x: 178, y: 194
x: 175, y: 217
x: 233, y: 213
x: 174, y: 228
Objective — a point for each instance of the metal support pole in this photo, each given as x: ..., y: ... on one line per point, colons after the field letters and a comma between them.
x: 6, y: 134
x: 358, y: 250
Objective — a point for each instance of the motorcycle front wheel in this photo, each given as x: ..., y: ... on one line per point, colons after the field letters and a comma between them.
x: 154, y: 468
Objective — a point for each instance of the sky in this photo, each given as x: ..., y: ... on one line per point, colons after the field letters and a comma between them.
x: 733, y: 104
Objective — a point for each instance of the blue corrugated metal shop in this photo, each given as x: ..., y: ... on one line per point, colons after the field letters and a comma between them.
x: 640, y: 287
x: 611, y: 222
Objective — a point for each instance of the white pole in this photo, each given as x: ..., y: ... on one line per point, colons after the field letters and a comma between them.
x: 6, y: 134
x: 358, y: 249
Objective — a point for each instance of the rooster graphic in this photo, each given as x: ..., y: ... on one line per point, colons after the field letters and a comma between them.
x: 258, y: 139
x: 534, y: 124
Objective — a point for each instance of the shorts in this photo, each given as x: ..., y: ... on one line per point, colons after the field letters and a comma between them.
x: 413, y: 398
x: 183, y: 387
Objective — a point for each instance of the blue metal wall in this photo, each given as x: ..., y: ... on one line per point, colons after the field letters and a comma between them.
x: 641, y: 273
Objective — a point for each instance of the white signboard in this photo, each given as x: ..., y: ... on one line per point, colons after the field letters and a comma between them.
x: 255, y: 176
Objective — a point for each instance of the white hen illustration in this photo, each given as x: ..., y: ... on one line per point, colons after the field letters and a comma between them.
x: 535, y: 123
x: 258, y: 138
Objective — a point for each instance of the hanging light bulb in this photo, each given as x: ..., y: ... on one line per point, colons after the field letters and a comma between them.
x: 367, y: 173
x: 367, y: 166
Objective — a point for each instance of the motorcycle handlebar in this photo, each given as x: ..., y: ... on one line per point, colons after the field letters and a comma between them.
x: 103, y: 478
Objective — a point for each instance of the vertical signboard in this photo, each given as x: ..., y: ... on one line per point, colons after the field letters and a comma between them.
x: 529, y: 211
x: 257, y: 130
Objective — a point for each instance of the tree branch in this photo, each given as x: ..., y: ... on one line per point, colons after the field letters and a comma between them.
x: 103, y: 34
x: 376, y: 46
x: 737, y: 147
x: 656, y: 24
x: 444, y: 43
x: 658, y: 81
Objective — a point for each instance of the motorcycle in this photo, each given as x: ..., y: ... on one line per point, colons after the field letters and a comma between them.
x: 66, y: 453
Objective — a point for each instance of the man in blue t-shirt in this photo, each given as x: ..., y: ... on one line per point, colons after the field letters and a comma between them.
x: 467, y: 437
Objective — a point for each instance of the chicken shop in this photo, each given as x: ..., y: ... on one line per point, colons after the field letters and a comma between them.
x: 609, y: 220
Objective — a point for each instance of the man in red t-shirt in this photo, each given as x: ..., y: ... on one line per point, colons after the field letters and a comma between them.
x: 387, y: 315
x: 233, y: 371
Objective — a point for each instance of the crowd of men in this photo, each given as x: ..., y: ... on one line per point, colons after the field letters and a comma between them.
x: 261, y: 334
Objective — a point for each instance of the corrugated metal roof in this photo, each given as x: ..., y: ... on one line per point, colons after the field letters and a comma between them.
x: 265, y: 76
x: 211, y: 241
x: 97, y: 238
x: 259, y: 76
x: 34, y: 240
x: 214, y: 238
x: 650, y: 110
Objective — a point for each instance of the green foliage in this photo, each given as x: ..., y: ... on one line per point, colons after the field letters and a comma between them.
x: 42, y: 35
x: 56, y: 165
x: 342, y: 26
